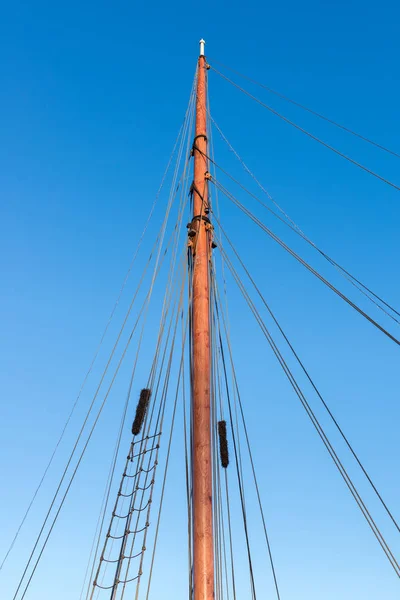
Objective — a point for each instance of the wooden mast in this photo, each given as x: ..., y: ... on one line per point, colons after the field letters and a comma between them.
x: 201, y: 230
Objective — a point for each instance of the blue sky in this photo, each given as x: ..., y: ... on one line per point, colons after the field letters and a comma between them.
x: 92, y: 96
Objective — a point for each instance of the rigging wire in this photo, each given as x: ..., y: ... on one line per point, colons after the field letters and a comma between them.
x: 218, y: 311
x: 219, y: 530
x: 179, y: 380
x: 294, y: 227
x: 187, y: 478
x: 161, y: 330
x: 314, y: 420
x: 160, y: 419
x: 340, y: 430
x: 109, y: 484
x: 110, y: 318
x: 104, y: 507
x: 142, y: 450
x: 310, y: 135
x: 277, y: 239
x: 169, y: 283
x: 214, y: 165
x: 155, y: 273
x: 72, y: 477
x: 217, y: 331
x: 176, y: 325
x: 239, y: 478
x: 309, y: 110
x: 226, y: 489
x: 169, y: 288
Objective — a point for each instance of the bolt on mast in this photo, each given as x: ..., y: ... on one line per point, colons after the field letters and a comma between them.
x: 201, y: 244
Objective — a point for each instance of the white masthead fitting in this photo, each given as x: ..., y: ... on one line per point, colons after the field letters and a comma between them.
x: 202, y: 44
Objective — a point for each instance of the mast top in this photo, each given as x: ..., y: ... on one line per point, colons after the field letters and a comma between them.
x: 202, y: 44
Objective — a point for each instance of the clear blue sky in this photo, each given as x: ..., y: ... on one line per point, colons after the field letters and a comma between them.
x: 92, y: 96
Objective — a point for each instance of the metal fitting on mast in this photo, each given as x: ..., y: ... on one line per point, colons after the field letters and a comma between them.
x: 202, y: 44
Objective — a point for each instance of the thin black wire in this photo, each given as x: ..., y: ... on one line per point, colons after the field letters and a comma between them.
x: 158, y: 264
x: 145, y: 440
x: 167, y: 463
x: 180, y: 378
x: 277, y: 239
x: 228, y: 510
x: 165, y: 390
x: 310, y: 135
x: 171, y: 287
x: 296, y: 229
x: 315, y: 422
x: 169, y: 284
x: 310, y: 379
x: 269, y: 549
x: 165, y: 394
x: 240, y: 484
x: 97, y: 349
x: 309, y: 110
x: 187, y: 460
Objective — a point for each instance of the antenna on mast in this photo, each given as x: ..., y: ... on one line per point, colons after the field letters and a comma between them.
x: 202, y: 45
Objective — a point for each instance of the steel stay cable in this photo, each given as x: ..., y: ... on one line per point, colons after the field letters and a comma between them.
x: 143, y: 442
x: 227, y: 335
x: 309, y: 110
x: 128, y: 458
x: 167, y: 295
x: 218, y: 512
x: 226, y: 301
x: 165, y: 390
x: 327, y: 443
x: 142, y: 496
x: 130, y: 338
x: 307, y: 265
x: 111, y: 476
x: 294, y: 227
x: 160, y: 420
x: 238, y: 473
x: 148, y: 296
x: 184, y: 189
x: 145, y: 437
x: 188, y: 118
x: 110, y: 483
x: 219, y: 525
x: 240, y: 482
x: 155, y: 272
x: 110, y: 318
x: 187, y: 477
x: 345, y: 439
x: 219, y: 384
x: 221, y: 520
x: 217, y: 416
x: 239, y: 452
x: 157, y: 528
x: 179, y: 379
x: 216, y: 502
x: 310, y: 135
x: 315, y: 422
x: 353, y: 280
x: 73, y: 475
x: 163, y: 316
x: 216, y: 299
x: 77, y: 465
